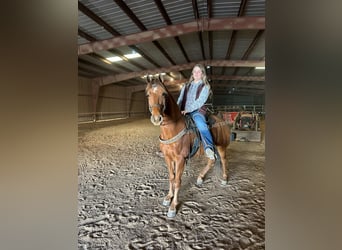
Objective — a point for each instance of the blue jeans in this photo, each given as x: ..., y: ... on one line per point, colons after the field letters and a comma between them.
x: 202, y: 126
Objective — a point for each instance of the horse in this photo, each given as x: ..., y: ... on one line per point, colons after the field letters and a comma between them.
x: 176, y: 140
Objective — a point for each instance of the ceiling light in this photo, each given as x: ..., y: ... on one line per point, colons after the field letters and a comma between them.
x: 114, y: 59
x: 260, y: 67
x: 133, y: 55
x: 105, y: 60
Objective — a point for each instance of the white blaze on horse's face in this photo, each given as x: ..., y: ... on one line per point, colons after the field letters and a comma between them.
x: 154, y: 89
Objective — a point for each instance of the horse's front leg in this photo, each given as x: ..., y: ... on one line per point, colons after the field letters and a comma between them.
x: 179, y: 168
x: 170, y: 167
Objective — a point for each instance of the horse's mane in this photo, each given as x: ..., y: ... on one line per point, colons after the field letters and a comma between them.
x: 170, y: 101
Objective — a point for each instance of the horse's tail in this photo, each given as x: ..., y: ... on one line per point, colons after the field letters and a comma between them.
x: 220, y: 130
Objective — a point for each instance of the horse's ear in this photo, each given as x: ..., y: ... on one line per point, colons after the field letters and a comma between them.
x: 161, y: 78
x: 148, y: 81
x: 148, y: 86
x: 148, y: 78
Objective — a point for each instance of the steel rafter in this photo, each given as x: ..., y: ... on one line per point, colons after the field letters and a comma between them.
x: 97, y: 19
x: 210, y: 38
x: 240, y: 78
x: 168, y: 22
x: 111, y: 30
x: 86, y: 36
x: 206, y: 24
x: 197, y: 17
x: 141, y: 26
x: 217, y: 63
x: 219, y: 77
x: 250, y: 48
x: 233, y: 36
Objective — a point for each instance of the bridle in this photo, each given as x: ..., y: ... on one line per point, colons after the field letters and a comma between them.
x: 160, y: 106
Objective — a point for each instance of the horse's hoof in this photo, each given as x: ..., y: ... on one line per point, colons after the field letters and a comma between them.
x: 166, y: 203
x: 224, y: 183
x: 199, y: 181
x: 171, y: 213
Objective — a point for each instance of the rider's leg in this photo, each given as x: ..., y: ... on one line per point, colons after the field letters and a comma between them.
x: 207, y: 139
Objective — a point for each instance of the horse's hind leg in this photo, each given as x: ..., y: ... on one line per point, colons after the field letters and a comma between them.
x: 222, y: 152
x: 204, y: 171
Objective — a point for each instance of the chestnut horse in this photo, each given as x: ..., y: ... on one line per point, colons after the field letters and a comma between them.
x: 176, y: 141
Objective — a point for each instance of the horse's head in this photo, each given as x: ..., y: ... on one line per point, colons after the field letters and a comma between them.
x: 156, y: 96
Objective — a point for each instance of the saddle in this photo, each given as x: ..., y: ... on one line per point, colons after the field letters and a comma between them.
x: 192, y: 128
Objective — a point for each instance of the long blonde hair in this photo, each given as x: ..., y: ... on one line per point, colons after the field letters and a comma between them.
x: 204, y: 75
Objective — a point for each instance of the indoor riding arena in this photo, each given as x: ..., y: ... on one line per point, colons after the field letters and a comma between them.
x: 122, y: 183
x: 122, y: 174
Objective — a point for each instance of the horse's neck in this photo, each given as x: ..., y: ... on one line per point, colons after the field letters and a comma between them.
x: 173, y: 111
x: 173, y: 120
x: 171, y: 128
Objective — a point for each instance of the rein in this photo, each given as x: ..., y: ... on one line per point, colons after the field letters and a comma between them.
x: 158, y: 106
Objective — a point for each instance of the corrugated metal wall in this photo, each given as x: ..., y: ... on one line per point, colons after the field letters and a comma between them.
x: 118, y: 102
x: 113, y: 102
x: 138, y: 104
x: 112, y: 99
x: 84, y: 97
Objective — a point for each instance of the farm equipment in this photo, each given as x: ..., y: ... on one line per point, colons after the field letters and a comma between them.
x: 245, y: 125
x: 246, y: 120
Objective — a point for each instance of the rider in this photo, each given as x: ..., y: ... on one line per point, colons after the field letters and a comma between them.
x: 191, y: 101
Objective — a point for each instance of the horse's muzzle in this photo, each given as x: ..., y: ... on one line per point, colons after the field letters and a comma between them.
x: 156, y: 120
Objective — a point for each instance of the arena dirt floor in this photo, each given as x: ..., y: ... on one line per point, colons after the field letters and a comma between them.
x: 122, y: 183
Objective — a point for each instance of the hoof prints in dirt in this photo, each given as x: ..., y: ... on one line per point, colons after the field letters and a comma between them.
x: 122, y: 183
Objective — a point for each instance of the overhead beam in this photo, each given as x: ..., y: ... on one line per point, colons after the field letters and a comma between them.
x: 142, y: 27
x: 219, y: 77
x: 86, y: 36
x: 242, y: 93
x: 105, y: 25
x: 97, y: 19
x: 216, y: 63
x: 238, y: 78
x: 167, y: 19
x: 203, y: 24
x: 197, y: 18
x: 176, y: 83
x: 218, y: 86
x: 250, y: 48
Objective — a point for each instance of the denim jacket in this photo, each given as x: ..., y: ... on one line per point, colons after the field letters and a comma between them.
x: 194, y: 99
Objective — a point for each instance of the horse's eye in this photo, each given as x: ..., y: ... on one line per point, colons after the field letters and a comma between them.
x: 164, y: 94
